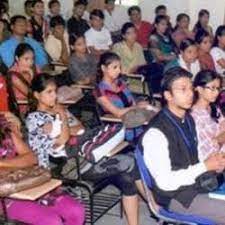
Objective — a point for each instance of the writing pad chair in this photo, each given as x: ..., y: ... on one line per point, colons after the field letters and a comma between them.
x: 164, y: 216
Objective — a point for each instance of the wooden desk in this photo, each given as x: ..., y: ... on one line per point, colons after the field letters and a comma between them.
x: 37, y: 192
x: 118, y: 148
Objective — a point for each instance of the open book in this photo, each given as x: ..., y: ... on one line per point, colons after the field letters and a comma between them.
x: 218, y: 194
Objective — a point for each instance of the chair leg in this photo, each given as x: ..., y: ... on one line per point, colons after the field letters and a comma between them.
x: 92, y: 209
x: 121, y: 209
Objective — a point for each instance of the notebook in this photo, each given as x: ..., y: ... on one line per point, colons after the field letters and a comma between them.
x: 218, y: 194
x: 37, y: 192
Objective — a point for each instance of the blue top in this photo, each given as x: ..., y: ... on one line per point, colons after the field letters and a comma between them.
x: 8, y: 47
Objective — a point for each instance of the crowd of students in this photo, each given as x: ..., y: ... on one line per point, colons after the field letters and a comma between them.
x: 181, y: 143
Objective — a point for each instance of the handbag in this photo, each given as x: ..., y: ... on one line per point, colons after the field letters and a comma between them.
x: 101, y: 144
x: 13, y: 181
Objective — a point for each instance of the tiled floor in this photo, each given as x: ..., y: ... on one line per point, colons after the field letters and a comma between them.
x: 115, y: 220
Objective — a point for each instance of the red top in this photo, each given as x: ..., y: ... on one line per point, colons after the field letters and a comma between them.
x: 3, y: 94
x: 206, y: 61
x: 143, y: 30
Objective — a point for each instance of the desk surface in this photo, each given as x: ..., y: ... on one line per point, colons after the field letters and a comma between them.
x: 37, y: 192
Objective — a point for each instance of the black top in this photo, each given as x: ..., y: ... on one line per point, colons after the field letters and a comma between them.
x: 77, y: 27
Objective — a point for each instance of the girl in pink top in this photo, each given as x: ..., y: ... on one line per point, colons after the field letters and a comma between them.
x: 210, y: 124
x: 22, y: 72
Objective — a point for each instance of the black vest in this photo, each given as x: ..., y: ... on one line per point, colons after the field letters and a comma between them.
x: 180, y: 154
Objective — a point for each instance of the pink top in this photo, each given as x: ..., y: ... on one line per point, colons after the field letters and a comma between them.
x: 27, y: 76
x: 207, y: 129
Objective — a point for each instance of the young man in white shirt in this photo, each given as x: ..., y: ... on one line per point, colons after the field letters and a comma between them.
x: 115, y: 17
x: 170, y: 153
x: 98, y: 38
x: 57, y: 43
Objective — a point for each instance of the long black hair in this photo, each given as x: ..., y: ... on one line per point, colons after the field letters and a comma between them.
x: 179, y: 18
x: 39, y: 84
x: 201, y: 80
x: 198, y: 26
x: 105, y: 60
x: 220, y: 31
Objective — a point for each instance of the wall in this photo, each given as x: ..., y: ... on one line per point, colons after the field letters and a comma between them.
x: 191, y: 7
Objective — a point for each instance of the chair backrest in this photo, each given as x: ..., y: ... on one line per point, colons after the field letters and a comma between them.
x: 147, y: 180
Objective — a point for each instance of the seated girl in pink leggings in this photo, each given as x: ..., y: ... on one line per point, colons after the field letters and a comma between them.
x: 55, y: 208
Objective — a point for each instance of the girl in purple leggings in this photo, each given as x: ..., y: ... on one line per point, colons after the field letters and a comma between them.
x: 55, y: 208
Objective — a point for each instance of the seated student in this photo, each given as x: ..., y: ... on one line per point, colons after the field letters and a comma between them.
x: 8, y: 47
x: 129, y: 50
x: 188, y: 58
x: 76, y: 24
x: 161, y: 45
x: 4, y: 104
x: 217, y: 51
x: 49, y: 131
x: 4, y: 30
x: 98, y: 38
x: 161, y: 10
x: 4, y: 11
x: 171, y: 140
x: 204, y: 42
x: 113, y: 94
x: 143, y: 28
x: 28, y: 8
x: 115, y: 17
x: 82, y: 65
x: 208, y: 119
x: 54, y: 8
x: 50, y: 209
x: 22, y: 72
x: 38, y: 25
x: 203, y: 22
x: 57, y: 43
x: 181, y: 30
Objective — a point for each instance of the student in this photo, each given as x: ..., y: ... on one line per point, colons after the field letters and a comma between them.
x: 161, y: 10
x: 188, y: 58
x: 76, y: 24
x: 113, y: 94
x: 4, y: 8
x: 38, y: 25
x: 28, y: 8
x: 57, y: 43
x: 129, y: 50
x: 53, y: 209
x: 22, y: 72
x: 115, y: 17
x: 82, y: 65
x: 54, y: 8
x: 181, y: 30
x: 41, y: 127
x: 171, y: 140
x: 204, y: 42
x: 208, y: 119
x: 161, y: 45
x: 98, y: 38
x: 19, y: 29
x: 203, y: 22
x: 143, y: 28
x: 217, y: 52
x: 4, y: 30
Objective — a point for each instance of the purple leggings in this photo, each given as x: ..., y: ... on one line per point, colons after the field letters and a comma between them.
x: 65, y: 211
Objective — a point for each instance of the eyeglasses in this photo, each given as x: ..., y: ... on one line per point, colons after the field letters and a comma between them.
x: 213, y: 88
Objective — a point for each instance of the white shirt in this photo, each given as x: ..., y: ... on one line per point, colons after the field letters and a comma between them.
x: 157, y: 159
x: 100, y: 40
x: 194, y: 68
x: 115, y: 20
x: 53, y: 46
x: 217, y: 54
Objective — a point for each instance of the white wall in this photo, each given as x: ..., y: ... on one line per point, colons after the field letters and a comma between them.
x: 191, y: 7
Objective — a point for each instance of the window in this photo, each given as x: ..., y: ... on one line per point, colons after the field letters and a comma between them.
x: 127, y: 2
